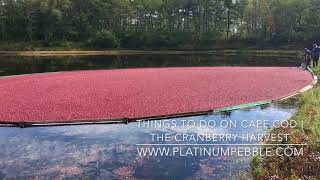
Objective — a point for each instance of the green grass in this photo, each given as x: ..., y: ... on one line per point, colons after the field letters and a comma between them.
x: 308, y: 115
x: 307, y: 131
x: 316, y: 70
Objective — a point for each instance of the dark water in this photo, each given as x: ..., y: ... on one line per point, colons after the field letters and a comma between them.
x: 111, y: 151
x: 26, y: 65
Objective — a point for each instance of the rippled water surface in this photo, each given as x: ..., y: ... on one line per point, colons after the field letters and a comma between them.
x: 110, y: 151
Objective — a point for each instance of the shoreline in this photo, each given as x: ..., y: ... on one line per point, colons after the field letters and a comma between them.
x: 307, y: 132
x: 147, y: 52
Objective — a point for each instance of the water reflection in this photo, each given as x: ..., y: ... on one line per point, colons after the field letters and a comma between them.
x: 26, y: 65
x: 110, y: 151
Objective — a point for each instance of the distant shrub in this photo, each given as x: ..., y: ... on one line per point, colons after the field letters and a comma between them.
x: 208, y: 38
x: 104, y: 39
x: 144, y: 40
x: 156, y: 39
x: 163, y: 39
x: 66, y: 44
x: 132, y: 40
x: 181, y: 39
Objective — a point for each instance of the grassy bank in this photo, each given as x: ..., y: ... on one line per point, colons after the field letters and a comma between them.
x: 306, y: 166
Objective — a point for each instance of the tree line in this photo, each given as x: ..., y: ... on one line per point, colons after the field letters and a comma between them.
x: 158, y: 23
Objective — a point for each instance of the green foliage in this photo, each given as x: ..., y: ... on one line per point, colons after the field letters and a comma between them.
x: 160, y: 23
x: 309, y: 113
x: 306, y: 132
x: 256, y: 165
x: 104, y: 39
x: 157, y: 39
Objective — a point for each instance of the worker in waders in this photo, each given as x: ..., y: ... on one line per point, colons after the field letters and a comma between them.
x: 316, y: 52
x: 307, y: 56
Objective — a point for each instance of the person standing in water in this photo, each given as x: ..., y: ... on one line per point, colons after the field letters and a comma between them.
x: 307, y: 56
x: 316, y: 51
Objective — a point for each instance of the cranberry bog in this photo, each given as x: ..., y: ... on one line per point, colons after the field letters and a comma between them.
x: 94, y: 90
x: 124, y: 95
